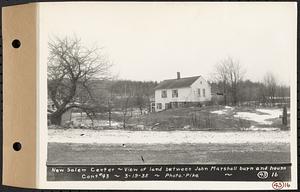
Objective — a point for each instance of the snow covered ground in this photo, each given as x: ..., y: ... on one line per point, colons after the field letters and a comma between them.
x: 260, y: 118
x: 163, y: 137
x: 81, y: 119
x: 252, y: 134
x: 223, y: 111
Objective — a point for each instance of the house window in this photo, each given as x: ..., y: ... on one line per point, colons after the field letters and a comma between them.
x: 159, y: 105
x: 174, y: 93
x: 199, y: 92
x: 203, y: 92
x: 164, y: 94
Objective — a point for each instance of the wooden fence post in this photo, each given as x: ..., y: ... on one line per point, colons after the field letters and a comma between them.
x: 284, y: 116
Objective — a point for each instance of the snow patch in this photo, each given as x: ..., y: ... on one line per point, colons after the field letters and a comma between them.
x: 223, y: 111
x: 272, y: 112
x: 253, y: 128
x: 260, y: 118
x: 82, y: 120
x: 220, y: 112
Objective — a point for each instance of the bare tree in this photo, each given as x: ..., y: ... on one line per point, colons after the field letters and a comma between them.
x: 229, y: 73
x: 235, y: 74
x: 126, y: 104
x: 141, y: 102
x: 141, y: 96
x: 110, y: 100
x: 222, y: 79
x: 270, y: 83
x: 72, y: 68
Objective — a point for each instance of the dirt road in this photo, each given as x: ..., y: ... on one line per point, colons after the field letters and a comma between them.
x: 199, y: 153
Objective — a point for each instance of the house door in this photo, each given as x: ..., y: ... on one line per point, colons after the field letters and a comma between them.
x: 167, y: 106
x: 152, y: 107
x: 174, y: 105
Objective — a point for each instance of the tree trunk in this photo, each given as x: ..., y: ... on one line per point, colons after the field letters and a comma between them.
x: 235, y: 99
x: 109, y: 117
x: 141, y: 110
x: 55, y: 118
x: 124, y: 121
x: 284, y: 116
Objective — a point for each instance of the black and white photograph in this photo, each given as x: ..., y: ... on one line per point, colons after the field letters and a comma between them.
x: 174, y: 88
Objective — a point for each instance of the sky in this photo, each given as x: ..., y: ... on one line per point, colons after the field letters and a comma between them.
x: 153, y: 41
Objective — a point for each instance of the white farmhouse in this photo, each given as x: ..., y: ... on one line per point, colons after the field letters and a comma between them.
x: 180, y: 92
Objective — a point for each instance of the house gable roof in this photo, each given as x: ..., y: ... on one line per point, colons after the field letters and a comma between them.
x: 176, y: 83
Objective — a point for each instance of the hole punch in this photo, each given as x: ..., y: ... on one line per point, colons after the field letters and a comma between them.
x: 17, y: 146
x: 16, y: 43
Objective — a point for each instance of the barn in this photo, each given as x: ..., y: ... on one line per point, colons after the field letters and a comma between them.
x: 181, y: 92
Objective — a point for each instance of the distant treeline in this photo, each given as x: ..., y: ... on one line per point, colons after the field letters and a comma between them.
x: 138, y: 93
x: 122, y: 94
x: 252, y: 92
x: 133, y: 88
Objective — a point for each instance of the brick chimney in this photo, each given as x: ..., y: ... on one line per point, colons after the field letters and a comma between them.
x: 178, y: 75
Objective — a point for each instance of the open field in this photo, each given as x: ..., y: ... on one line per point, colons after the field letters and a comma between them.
x: 212, y: 134
x: 88, y: 154
x: 193, y: 118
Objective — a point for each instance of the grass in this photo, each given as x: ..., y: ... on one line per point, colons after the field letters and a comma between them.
x: 88, y: 154
x: 188, y: 119
x: 198, y: 119
x: 193, y: 118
